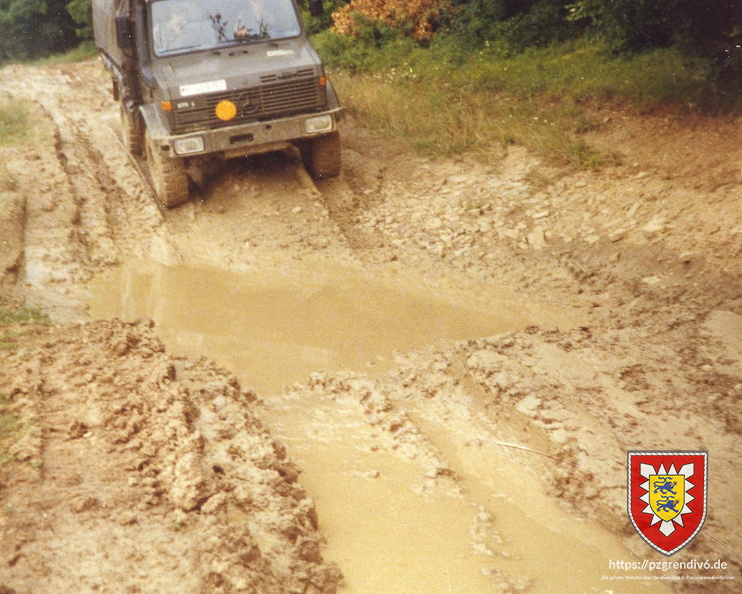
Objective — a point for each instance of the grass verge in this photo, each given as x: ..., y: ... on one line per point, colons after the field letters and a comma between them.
x: 444, y: 100
x: 10, y: 333
x: 24, y: 314
x: 14, y: 121
x: 83, y: 51
x: 8, y: 426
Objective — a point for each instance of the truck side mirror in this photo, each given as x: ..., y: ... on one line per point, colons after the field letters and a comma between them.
x: 124, y: 33
x: 315, y: 8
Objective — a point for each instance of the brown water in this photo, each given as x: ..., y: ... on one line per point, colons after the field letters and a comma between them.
x: 387, y: 533
x: 275, y: 327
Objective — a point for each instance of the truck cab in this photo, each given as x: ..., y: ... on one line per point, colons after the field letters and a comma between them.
x: 223, y: 79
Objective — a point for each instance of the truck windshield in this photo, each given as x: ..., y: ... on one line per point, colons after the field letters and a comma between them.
x: 191, y: 25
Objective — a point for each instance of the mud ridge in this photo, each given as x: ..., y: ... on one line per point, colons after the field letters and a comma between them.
x: 151, y: 460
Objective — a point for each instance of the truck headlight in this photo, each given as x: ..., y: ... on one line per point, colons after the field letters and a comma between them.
x: 319, y: 124
x: 187, y: 146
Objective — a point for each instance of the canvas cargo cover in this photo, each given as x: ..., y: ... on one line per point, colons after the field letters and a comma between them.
x: 104, y: 27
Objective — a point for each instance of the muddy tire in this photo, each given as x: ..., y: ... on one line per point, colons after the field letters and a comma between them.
x: 321, y: 155
x: 131, y: 131
x: 169, y: 177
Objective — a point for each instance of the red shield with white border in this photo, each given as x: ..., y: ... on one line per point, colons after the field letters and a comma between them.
x: 667, y: 496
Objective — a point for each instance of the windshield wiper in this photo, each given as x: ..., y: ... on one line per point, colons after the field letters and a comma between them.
x: 177, y: 50
x: 244, y: 40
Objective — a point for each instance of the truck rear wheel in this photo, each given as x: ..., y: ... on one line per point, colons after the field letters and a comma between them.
x: 321, y: 155
x: 131, y: 133
x: 169, y: 176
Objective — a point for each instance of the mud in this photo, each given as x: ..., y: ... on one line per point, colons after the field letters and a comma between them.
x: 275, y: 329
x: 135, y: 472
x: 427, y: 372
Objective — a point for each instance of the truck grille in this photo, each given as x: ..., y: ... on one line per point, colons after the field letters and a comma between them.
x: 278, y: 96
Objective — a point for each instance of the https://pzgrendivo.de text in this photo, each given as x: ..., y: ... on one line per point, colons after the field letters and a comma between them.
x: 668, y: 570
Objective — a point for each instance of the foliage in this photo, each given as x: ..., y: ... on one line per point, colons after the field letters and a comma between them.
x: 710, y: 30
x: 82, y: 13
x: 544, y: 24
x: 86, y: 49
x: 478, y: 20
x: 9, y: 332
x: 316, y: 24
x: 24, y: 314
x: 34, y: 28
x: 522, y: 23
x: 8, y: 423
x: 630, y: 25
x: 419, y: 19
x: 446, y: 99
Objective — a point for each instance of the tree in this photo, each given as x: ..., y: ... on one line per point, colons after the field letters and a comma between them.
x: 82, y: 13
x: 520, y: 23
x: 709, y: 29
x: 641, y: 24
x: 34, y: 28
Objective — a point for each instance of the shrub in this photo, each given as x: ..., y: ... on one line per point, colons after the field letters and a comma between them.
x: 34, y: 28
x: 418, y: 19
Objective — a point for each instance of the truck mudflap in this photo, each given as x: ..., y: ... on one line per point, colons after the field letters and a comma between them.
x: 243, y: 139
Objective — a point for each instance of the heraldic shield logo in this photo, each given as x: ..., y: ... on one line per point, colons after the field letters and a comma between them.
x: 667, y: 496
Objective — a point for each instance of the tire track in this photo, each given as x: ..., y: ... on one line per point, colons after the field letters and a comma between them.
x: 86, y: 208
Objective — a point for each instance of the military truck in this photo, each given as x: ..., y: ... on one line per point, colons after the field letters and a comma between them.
x: 198, y: 81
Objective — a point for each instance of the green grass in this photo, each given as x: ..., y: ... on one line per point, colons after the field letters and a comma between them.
x: 444, y: 100
x: 445, y: 122
x: 24, y: 314
x: 8, y: 426
x: 14, y: 121
x: 9, y: 336
x: 7, y: 343
x: 84, y: 51
x: 582, y: 71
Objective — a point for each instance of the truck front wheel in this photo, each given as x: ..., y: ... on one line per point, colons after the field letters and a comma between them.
x: 169, y: 176
x: 321, y: 155
x: 131, y: 132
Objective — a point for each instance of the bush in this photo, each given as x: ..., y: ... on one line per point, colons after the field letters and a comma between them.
x: 418, y: 19
x: 316, y: 24
x: 588, y: 71
x: 377, y: 48
x: 34, y: 28
x: 82, y: 13
x: 543, y: 25
x: 711, y: 32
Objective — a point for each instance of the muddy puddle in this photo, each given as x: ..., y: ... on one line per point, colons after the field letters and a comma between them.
x: 390, y: 527
x: 274, y: 327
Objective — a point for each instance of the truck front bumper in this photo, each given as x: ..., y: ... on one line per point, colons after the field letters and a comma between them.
x: 244, y: 139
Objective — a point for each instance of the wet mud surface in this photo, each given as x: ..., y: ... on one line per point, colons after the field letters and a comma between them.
x: 421, y: 376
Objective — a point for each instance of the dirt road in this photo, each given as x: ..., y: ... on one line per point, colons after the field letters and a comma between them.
x: 428, y: 372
